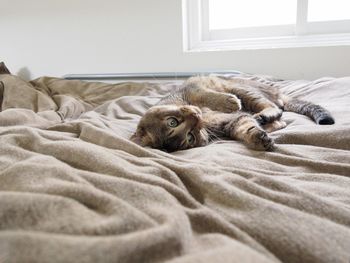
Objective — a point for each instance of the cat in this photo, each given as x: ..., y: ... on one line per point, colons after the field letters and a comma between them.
x: 205, y: 108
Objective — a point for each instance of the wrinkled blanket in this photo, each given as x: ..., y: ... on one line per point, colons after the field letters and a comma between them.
x: 73, y: 188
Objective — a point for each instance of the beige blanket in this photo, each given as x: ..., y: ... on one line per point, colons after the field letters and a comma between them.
x: 73, y: 188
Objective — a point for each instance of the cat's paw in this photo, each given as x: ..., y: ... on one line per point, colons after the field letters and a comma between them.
x: 259, y: 139
x: 229, y: 103
x: 274, y: 126
x: 268, y: 115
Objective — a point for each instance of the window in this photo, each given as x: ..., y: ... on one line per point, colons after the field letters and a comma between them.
x: 250, y: 24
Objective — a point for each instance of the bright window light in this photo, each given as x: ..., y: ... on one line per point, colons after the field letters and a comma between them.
x: 224, y: 14
x: 258, y: 24
x: 328, y: 10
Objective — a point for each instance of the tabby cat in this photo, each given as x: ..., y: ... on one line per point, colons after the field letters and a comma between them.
x: 208, y: 107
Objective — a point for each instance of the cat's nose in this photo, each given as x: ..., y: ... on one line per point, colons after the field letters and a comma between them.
x: 199, y: 123
x: 195, y: 121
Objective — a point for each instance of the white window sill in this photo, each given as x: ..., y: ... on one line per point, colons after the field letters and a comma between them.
x: 271, y: 43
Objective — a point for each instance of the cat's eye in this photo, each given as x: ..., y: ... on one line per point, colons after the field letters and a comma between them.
x: 172, y: 122
x: 190, y: 138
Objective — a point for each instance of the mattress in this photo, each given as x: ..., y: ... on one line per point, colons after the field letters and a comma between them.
x: 74, y: 188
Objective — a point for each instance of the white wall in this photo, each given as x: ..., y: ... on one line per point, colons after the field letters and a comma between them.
x: 41, y: 37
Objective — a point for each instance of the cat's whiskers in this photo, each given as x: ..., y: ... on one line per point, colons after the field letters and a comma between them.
x: 212, y: 136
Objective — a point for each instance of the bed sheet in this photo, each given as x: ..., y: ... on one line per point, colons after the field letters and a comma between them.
x: 74, y: 188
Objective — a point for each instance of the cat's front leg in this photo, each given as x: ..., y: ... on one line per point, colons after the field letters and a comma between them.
x: 246, y: 129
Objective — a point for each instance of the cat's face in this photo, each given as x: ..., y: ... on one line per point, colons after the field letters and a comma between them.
x: 171, y: 128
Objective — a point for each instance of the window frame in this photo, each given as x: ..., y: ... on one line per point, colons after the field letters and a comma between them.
x: 198, y: 37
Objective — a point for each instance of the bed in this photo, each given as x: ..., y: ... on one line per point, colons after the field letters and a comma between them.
x: 74, y: 188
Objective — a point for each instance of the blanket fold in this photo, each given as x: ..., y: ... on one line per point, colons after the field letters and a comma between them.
x: 74, y: 188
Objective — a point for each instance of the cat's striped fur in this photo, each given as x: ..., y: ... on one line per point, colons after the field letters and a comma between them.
x: 205, y: 108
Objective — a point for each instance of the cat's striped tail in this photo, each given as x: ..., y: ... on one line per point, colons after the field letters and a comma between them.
x: 317, y: 113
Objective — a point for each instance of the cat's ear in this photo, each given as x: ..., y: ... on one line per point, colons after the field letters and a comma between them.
x: 136, y: 138
x: 141, y: 137
x: 4, y: 69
